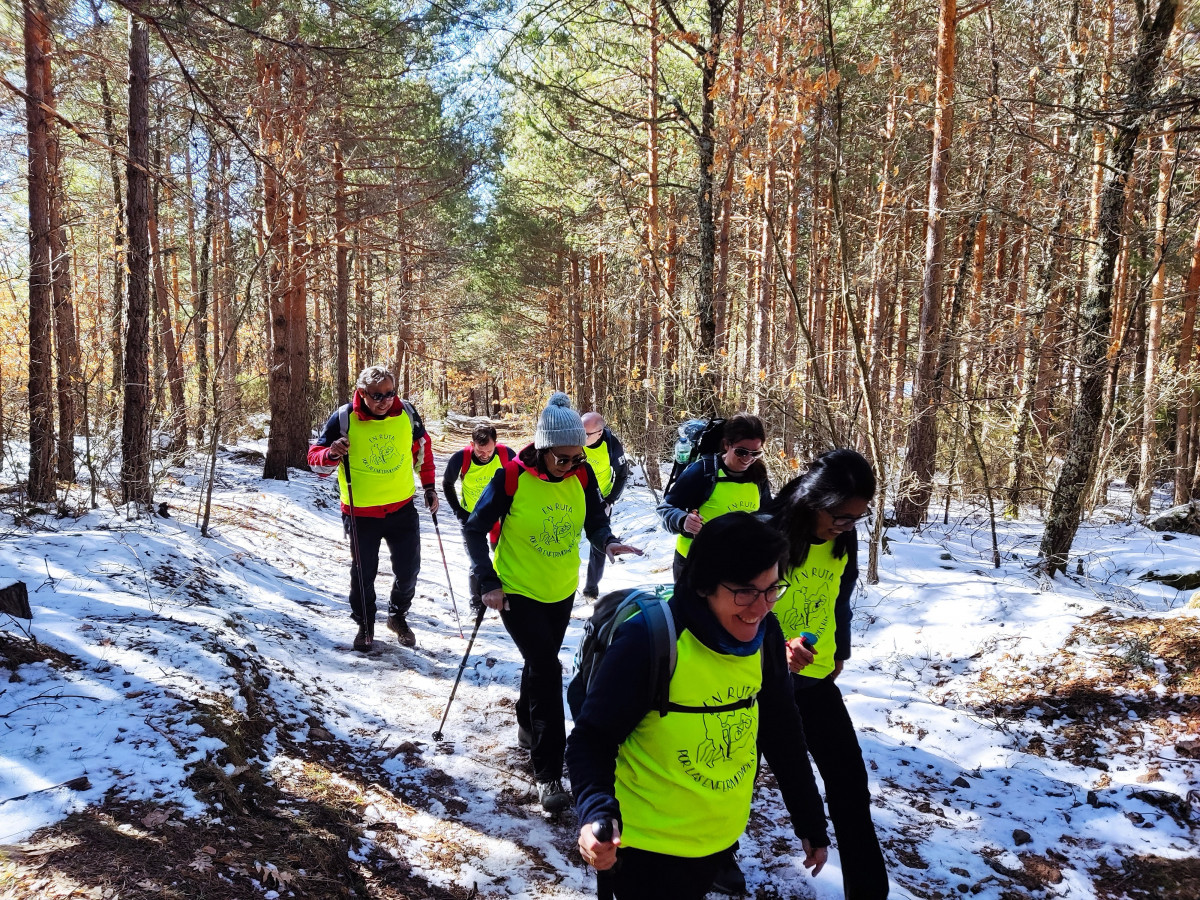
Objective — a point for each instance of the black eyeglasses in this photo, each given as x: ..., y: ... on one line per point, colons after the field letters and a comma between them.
x: 379, y: 396
x: 594, y: 433
x: 747, y: 596
x: 744, y: 453
x: 843, y: 521
x: 571, y: 461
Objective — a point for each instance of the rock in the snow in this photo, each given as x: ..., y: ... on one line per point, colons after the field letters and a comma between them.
x: 1185, y: 519
x: 1021, y: 837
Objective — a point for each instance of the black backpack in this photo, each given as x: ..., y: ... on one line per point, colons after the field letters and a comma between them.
x: 610, y: 612
x: 697, y: 437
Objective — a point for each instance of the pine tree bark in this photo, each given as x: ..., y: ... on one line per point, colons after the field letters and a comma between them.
x: 1185, y: 365
x: 135, y: 432
x: 916, y: 483
x: 1066, y: 505
x: 177, y: 427
x: 41, y: 298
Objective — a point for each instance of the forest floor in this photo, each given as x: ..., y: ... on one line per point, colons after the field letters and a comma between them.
x: 183, y: 717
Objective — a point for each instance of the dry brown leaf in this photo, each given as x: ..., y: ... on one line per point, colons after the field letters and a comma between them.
x: 155, y: 817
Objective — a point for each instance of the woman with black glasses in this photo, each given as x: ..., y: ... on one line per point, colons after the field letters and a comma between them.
x: 547, y: 498
x: 720, y: 483
x: 817, y: 513
x: 662, y: 796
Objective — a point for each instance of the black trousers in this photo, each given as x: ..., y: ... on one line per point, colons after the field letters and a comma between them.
x: 402, y: 531
x: 677, y: 564
x: 644, y: 875
x: 538, y: 629
x: 834, y: 747
x: 595, y: 570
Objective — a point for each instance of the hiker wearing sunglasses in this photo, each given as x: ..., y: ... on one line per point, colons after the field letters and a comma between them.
x: 817, y: 512
x: 671, y: 791
x: 716, y: 484
x: 381, y: 439
x: 607, y: 458
x: 547, y: 499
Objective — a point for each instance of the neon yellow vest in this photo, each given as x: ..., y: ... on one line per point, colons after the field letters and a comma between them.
x: 684, y: 780
x: 601, y: 464
x: 727, y: 496
x: 381, y: 461
x: 476, y: 480
x: 538, y: 553
x: 808, y: 604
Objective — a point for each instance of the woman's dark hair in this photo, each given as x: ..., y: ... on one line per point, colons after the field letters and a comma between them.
x: 746, y: 427
x: 483, y: 434
x: 832, y: 479
x: 735, y: 547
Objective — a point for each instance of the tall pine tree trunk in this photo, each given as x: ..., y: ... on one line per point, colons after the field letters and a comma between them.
x: 135, y: 432
x: 916, y: 485
x: 41, y: 299
x: 1066, y: 505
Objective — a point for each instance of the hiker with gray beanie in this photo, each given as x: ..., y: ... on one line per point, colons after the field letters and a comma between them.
x: 547, y: 499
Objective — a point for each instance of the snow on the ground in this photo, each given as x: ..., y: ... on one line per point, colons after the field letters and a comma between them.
x: 165, y: 622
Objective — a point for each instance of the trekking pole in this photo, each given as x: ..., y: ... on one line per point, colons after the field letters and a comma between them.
x: 604, y: 887
x: 437, y: 735
x: 362, y: 585
x: 449, y: 583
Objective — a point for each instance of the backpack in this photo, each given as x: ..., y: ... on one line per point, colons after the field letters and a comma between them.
x: 697, y: 438
x: 344, y: 416
x: 610, y: 613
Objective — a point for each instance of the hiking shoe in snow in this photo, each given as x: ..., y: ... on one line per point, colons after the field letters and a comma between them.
x: 524, y: 738
x: 553, y: 796
x: 477, y: 606
x: 403, y: 633
x: 590, y: 594
x: 729, y: 878
x: 362, y: 640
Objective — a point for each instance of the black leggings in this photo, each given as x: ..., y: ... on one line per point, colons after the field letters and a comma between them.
x: 644, y: 875
x: 538, y: 629
x: 834, y: 748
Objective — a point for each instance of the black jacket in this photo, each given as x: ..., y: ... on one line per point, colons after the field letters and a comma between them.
x: 695, y: 486
x: 619, y: 462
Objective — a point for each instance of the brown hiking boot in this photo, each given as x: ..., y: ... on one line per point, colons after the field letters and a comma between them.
x: 404, y: 634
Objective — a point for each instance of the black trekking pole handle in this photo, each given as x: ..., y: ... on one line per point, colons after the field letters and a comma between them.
x: 437, y: 735
x: 603, y: 831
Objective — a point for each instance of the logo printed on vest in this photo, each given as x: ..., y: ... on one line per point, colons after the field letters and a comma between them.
x: 381, y: 455
x: 558, y: 536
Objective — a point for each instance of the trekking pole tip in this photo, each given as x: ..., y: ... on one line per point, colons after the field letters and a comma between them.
x: 437, y: 736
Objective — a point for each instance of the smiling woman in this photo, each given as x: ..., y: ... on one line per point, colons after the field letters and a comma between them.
x: 667, y: 794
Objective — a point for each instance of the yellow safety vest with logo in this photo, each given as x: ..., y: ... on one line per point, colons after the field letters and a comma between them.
x: 476, y: 479
x: 727, y: 496
x: 684, y: 780
x: 381, y: 460
x: 807, y: 604
x: 538, y: 553
x: 601, y: 464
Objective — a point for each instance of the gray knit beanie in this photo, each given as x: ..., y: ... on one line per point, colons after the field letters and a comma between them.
x: 559, y: 425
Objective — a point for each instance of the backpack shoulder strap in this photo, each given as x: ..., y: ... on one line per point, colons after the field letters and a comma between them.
x: 344, y: 418
x: 466, y: 463
x: 662, y: 633
x: 512, y: 473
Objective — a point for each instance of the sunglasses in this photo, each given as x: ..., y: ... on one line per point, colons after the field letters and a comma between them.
x: 747, y: 596
x: 744, y: 453
x: 571, y: 461
x: 379, y: 396
x: 843, y: 521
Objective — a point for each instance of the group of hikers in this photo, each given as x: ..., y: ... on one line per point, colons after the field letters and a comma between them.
x: 662, y: 758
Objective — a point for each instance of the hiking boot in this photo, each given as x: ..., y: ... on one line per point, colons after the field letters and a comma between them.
x: 362, y: 640
x: 403, y: 633
x: 553, y: 796
x: 524, y: 738
x: 477, y: 606
x: 590, y: 594
x: 729, y: 878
